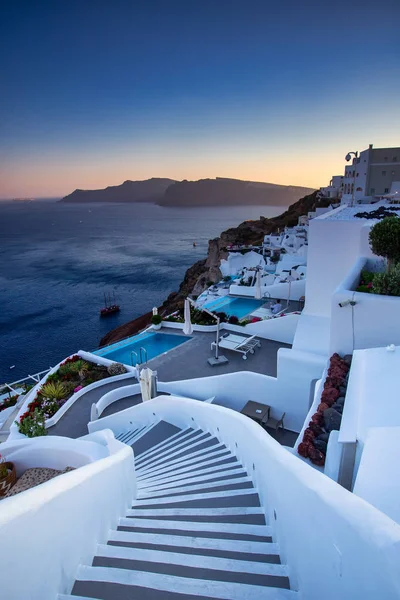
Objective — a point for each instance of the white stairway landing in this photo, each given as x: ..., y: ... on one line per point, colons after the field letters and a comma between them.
x: 195, y: 531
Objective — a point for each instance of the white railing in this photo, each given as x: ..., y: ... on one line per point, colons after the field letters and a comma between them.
x: 330, y: 538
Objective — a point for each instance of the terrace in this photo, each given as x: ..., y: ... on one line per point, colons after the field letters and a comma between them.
x: 183, y: 363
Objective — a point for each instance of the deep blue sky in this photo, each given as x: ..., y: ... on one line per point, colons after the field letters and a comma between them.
x: 95, y: 92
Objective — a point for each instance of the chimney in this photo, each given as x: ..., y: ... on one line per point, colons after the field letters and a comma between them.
x: 370, y: 147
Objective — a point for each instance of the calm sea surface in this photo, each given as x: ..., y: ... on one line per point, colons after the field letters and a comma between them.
x: 57, y: 260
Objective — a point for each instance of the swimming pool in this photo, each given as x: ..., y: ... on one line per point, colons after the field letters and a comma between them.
x: 154, y: 343
x: 239, y: 307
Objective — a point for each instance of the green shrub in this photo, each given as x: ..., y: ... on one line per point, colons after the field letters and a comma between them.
x: 387, y: 283
x: 209, y: 283
x: 55, y: 390
x: 32, y: 425
x: 156, y: 319
x: 384, y: 239
x: 366, y: 277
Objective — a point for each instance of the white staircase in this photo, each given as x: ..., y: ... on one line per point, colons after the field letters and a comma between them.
x: 196, y: 530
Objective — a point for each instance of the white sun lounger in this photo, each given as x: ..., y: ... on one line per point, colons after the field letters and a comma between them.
x: 239, y: 343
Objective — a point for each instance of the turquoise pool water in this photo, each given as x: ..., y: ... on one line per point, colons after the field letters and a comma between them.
x: 239, y: 307
x: 154, y: 343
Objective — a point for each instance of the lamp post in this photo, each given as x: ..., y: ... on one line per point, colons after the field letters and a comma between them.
x: 217, y: 359
x: 348, y: 157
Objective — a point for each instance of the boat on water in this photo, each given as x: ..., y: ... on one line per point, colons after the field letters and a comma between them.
x: 110, y: 306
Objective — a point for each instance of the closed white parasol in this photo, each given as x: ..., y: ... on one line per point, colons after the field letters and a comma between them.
x: 187, y: 327
x: 145, y: 379
x: 257, y: 293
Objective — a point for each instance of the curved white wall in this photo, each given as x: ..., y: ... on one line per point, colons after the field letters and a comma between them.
x: 47, y: 531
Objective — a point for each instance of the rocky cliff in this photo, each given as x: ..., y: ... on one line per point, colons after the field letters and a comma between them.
x: 203, y: 271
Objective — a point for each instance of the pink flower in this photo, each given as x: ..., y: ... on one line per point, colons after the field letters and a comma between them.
x: 79, y: 387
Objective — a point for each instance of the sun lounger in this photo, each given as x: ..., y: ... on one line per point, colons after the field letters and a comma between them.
x: 239, y: 343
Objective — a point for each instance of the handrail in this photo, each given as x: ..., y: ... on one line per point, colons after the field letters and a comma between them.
x: 144, y: 359
x: 137, y: 358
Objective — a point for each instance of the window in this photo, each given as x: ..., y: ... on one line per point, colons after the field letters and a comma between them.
x: 393, y: 172
x: 386, y: 190
x: 357, y: 174
x: 383, y: 172
x: 394, y: 158
x: 386, y: 157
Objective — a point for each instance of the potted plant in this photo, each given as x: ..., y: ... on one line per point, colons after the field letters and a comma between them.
x: 8, y: 476
x: 156, y: 321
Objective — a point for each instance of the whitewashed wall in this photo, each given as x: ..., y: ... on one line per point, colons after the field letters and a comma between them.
x: 333, y: 248
x: 277, y: 290
x: 372, y: 322
x: 237, y: 261
x: 49, y: 530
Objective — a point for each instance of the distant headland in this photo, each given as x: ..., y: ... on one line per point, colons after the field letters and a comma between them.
x: 204, y: 192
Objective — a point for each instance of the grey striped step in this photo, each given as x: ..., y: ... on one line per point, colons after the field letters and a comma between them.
x: 171, y: 445
x: 224, y: 570
x: 181, y: 436
x: 210, y: 477
x: 213, y: 500
x: 198, y: 455
x: 200, y: 441
x: 249, y: 515
x: 229, y: 484
x: 159, y: 433
x: 210, y: 469
x: 116, y: 584
x: 221, y: 459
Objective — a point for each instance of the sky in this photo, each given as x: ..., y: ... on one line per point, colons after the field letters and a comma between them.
x: 94, y: 92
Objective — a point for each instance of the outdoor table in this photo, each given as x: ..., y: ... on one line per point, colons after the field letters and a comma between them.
x: 256, y: 411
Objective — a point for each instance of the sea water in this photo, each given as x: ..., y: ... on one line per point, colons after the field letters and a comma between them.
x: 57, y: 261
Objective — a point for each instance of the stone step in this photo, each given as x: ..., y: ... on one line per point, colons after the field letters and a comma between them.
x: 182, y: 435
x: 232, y: 483
x: 203, y: 440
x: 206, y: 454
x: 115, y: 583
x: 251, y: 515
x: 242, y: 497
x: 212, y: 529
x: 210, y: 477
x: 161, y: 431
x: 222, y: 458
x: 199, y: 542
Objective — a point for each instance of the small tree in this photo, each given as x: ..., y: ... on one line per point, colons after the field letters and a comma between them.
x: 384, y: 239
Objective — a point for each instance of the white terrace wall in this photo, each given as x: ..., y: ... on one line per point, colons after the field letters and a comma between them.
x: 332, y: 249
x: 49, y: 530
x: 331, y: 539
x: 372, y: 322
x: 277, y: 290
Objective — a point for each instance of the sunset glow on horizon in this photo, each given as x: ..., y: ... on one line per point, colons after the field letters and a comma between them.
x: 93, y: 97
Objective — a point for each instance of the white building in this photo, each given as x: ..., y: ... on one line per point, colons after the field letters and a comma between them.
x: 371, y: 174
x: 334, y: 190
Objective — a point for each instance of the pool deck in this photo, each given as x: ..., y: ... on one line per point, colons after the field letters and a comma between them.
x: 187, y: 361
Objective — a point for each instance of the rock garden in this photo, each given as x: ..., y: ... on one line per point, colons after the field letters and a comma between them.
x: 72, y: 376
x: 328, y: 416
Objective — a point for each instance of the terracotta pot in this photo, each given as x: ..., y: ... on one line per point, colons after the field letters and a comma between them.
x: 8, y: 481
